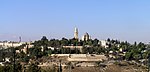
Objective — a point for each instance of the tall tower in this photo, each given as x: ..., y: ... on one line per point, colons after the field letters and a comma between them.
x: 76, y: 33
x: 19, y: 39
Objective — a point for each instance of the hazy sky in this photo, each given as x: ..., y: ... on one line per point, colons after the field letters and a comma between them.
x: 118, y: 19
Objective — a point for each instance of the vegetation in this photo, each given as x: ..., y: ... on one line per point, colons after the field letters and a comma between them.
x: 121, y: 51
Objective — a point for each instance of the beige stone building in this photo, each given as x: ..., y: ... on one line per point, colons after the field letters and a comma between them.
x: 86, y: 37
x: 76, y: 33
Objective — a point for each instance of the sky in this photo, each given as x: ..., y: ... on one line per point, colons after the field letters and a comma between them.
x: 125, y: 20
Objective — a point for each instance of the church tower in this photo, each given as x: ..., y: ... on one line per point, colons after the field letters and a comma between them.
x: 76, y: 33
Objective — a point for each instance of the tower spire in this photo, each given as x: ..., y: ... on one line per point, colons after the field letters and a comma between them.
x: 76, y: 33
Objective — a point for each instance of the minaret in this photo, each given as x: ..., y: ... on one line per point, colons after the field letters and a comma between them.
x: 76, y: 33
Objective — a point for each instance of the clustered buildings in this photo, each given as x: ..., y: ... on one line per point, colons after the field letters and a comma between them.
x: 85, y: 37
x: 76, y: 59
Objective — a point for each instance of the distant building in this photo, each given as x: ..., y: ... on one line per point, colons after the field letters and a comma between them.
x: 104, y: 43
x: 52, y: 48
x: 86, y: 58
x: 11, y: 44
x: 74, y: 47
x: 76, y: 33
x: 27, y: 46
x: 86, y: 37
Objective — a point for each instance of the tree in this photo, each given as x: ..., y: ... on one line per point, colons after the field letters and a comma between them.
x: 8, y: 68
x: 128, y: 56
x: 44, y: 38
x: 73, y: 42
x: 33, y: 68
x: 26, y: 59
x: 49, y: 69
x: 95, y: 42
x: 84, y: 50
x: 36, y: 52
x: 108, y: 39
x: 49, y: 52
x: 148, y: 62
x: 64, y: 42
x: 18, y: 67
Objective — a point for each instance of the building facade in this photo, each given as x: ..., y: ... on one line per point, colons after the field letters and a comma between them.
x: 86, y: 37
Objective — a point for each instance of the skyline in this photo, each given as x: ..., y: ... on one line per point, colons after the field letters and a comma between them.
x: 122, y: 20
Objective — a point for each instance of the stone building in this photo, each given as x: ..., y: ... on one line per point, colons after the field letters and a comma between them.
x: 76, y: 33
x: 86, y: 37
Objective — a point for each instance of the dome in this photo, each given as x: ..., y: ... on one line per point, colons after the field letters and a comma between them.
x: 86, y: 36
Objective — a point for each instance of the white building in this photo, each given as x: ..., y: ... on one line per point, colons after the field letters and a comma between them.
x: 86, y: 37
x: 76, y: 33
x: 104, y: 43
x: 27, y: 46
x: 11, y: 44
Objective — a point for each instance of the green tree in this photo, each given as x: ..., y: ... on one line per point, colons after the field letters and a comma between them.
x: 128, y: 56
x: 44, y: 38
x: 8, y: 68
x: 18, y: 67
x: 49, y: 52
x: 95, y: 42
x: 36, y: 52
x: 33, y: 68
x: 64, y: 42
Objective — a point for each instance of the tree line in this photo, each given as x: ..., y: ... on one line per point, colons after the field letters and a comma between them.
x: 136, y: 51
